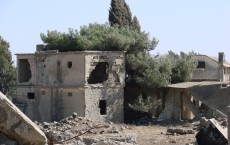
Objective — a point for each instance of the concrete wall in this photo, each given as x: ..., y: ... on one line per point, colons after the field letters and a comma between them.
x: 59, y: 84
x: 114, y: 98
x: 60, y: 68
x: 29, y: 64
x: 210, y: 72
x: 71, y: 100
x: 30, y: 105
x: 175, y: 107
x: 116, y: 70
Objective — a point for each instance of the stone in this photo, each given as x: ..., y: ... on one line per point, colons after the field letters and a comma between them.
x: 4, y: 140
x: 74, y: 114
x: 180, y: 131
x: 18, y: 126
x: 203, y: 121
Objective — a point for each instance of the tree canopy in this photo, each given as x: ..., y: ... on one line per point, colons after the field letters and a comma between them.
x: 7, y: 70
x: 182, y: 66
x: 120, y: 15
x: 100, y: 37
x: 123, y: 33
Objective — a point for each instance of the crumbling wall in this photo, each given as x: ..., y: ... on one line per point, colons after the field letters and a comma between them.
x: 61, y: 81
x: 26, y: 69
x: 114, y: 106
x: 107, y: 68
x: 104, y: 77
x: 176, y: 107
x: 172, y: 108
x: 60, y: 68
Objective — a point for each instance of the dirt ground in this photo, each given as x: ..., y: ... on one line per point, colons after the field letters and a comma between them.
x: 157, y: 135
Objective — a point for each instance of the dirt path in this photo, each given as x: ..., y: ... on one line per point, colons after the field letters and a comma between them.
x: 156, y: 135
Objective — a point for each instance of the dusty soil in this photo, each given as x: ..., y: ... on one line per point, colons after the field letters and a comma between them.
x: 157, y: 135
x: 150, y: 132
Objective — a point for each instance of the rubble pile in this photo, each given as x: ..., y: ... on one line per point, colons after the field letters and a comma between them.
x: 83, y: 131
x: 212, y: 132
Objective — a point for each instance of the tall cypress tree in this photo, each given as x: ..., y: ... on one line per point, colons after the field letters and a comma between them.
x: 119, y: 13
x: 135, y: 25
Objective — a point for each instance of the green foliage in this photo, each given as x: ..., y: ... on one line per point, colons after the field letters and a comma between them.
x: 7, y: 70
x: 148, y: 71
x: 141, y: 104
x: 182, y: 66
x: 120, y: 14
x: 100, y: 37
x: 135, y: 25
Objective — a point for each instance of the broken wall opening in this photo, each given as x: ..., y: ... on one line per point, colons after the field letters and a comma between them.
x: 99, y: 74
x: 24, y: 71
x: 102, y: 106
x: 31, y: 95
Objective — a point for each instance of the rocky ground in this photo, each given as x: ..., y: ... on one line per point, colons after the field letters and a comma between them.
x: 157, y: 134
x: 82, y: 131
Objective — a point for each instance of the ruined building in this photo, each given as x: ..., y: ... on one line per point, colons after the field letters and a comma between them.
x: 52, y: 85
x: 204, y: 95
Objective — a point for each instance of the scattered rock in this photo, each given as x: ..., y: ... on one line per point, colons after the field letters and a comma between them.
x: 203, y: 121
x: 180, y: 131
x: 76, y: 127
x: 210, y: 135
x: 74, y: 115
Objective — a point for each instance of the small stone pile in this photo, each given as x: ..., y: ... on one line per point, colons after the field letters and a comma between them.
x: 83, y: 131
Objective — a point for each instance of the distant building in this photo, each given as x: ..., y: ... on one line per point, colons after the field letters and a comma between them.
x: 52, y: 85
x: 211, y: 68
x: 203, y: 95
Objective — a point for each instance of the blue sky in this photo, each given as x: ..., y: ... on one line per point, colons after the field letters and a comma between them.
x: 180, y: 25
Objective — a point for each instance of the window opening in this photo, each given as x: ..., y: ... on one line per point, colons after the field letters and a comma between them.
x: 69, y: 64
x: 70, y: 94
x: 201, y: 64
x: 31, y: 95
x: 24, y: 71
x: 99, y: 74
x: 102, y: 106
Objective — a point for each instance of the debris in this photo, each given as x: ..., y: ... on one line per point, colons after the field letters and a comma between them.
x: 180, y: 131
x: 212, y: 133
x: 81, y: 130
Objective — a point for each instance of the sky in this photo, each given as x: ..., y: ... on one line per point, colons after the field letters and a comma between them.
x: 202, y: 26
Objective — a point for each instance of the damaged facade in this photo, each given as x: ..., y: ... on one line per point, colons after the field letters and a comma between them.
x: 53, y: 85
x: 189, y: 100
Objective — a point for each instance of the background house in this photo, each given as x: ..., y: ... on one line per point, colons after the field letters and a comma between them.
x: 211, y: 68
x: 204, y: 95
x: 53, y: 85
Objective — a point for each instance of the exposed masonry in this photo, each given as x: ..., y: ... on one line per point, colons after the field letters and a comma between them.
x: 53, y: 85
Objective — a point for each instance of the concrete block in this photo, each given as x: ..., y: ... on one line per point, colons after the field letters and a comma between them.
x: 18, y: 126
